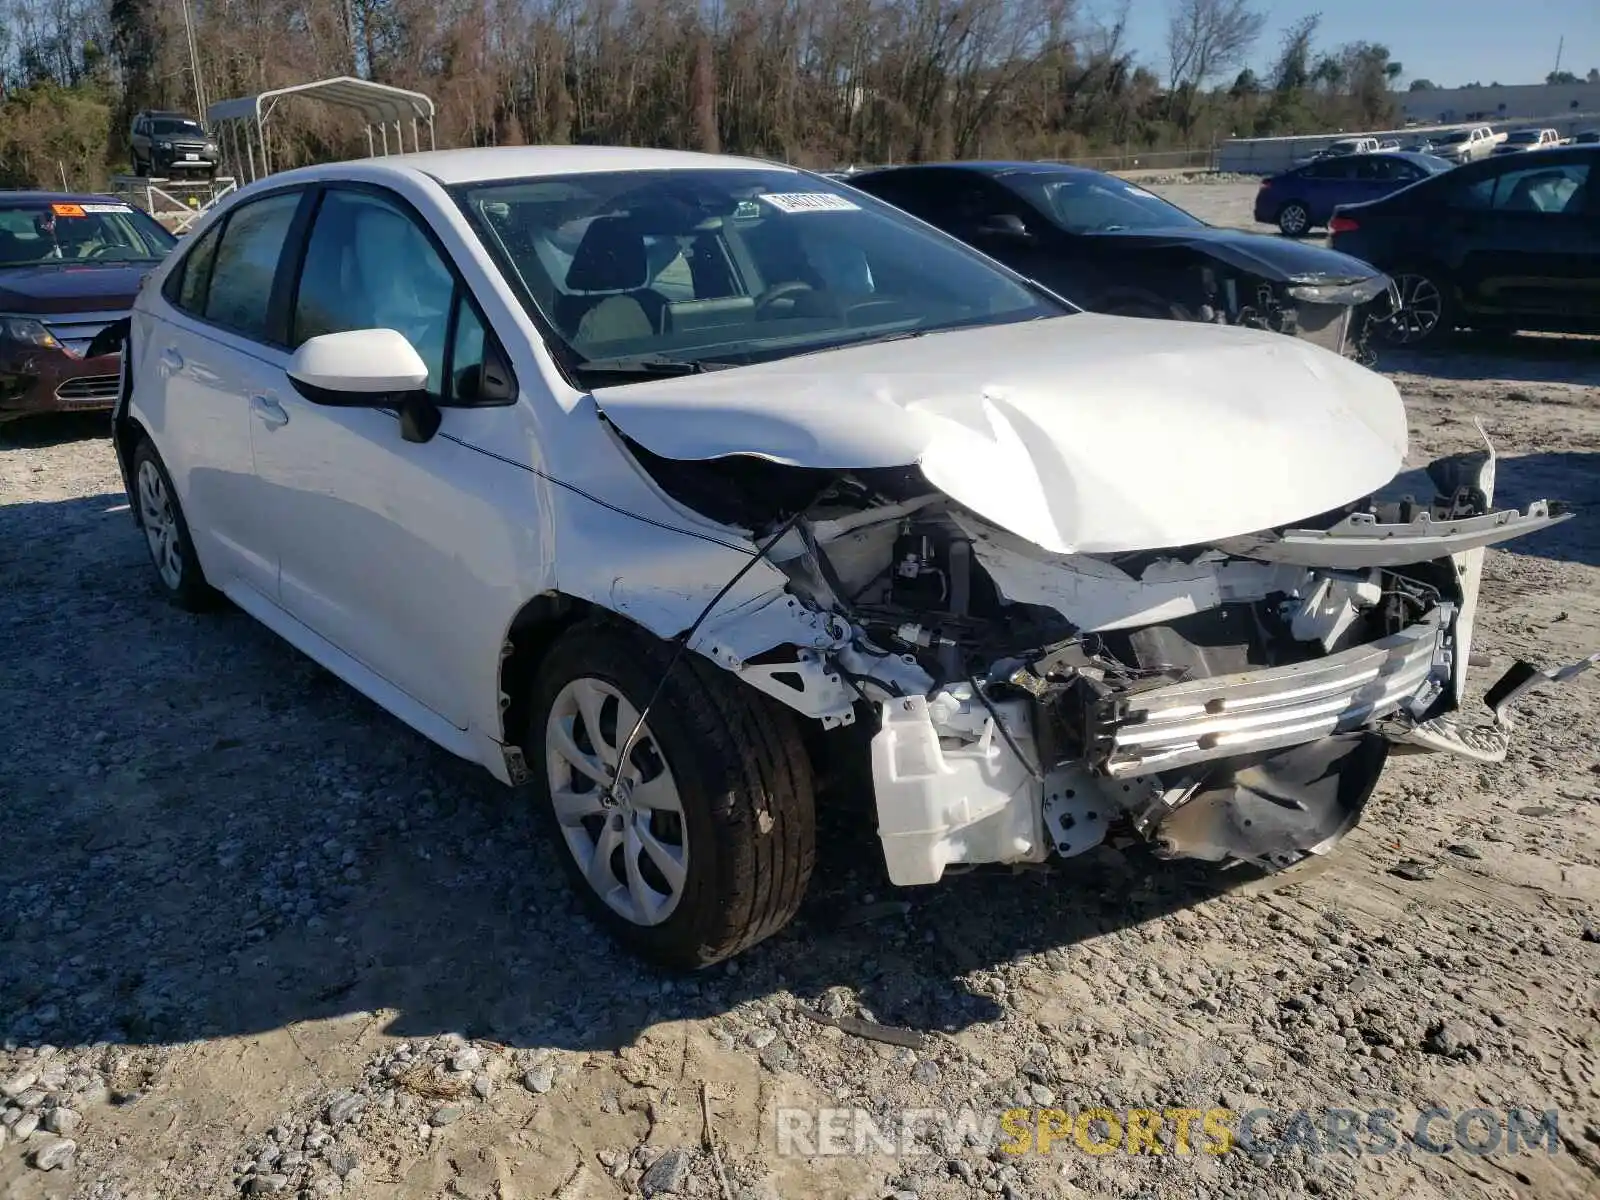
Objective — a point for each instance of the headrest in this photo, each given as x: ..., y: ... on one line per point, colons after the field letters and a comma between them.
x: 611, y: 258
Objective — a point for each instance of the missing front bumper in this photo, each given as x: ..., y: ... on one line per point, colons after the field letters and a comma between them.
x: 1252, y: 712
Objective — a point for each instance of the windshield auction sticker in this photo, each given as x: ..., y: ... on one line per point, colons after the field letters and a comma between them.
x: 67, y: 210
x: 809, y: 202
x: 105, y: 208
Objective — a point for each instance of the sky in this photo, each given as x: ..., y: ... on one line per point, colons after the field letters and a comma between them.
x: 1450, y: 42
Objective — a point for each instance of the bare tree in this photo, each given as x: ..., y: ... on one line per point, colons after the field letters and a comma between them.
x: 1205, y: 39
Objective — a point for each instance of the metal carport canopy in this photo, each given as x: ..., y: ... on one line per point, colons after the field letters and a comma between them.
x: 382, y: 107
x: 379, y: 103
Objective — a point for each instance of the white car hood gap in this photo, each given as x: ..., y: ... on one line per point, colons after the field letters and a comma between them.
x: 1082, y: 434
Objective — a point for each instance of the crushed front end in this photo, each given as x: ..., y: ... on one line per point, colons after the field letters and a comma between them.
x: 1229, y: 702
x: 1332, y: 312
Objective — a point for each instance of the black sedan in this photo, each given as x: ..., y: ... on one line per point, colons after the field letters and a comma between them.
x: 1504, y: 244
x: 1113, y: 247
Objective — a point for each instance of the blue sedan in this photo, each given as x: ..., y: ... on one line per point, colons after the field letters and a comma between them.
x: 1299, y: 200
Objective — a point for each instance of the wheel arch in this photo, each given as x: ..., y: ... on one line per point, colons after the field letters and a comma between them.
x: 528, y: 638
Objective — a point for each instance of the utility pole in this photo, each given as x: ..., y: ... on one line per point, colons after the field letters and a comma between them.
x: 194, y: 64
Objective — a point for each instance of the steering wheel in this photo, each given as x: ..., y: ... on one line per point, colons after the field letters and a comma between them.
x: 779, y: 291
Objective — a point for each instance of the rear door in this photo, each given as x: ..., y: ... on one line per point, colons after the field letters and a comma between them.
x: 1328, y: 183
x: 1526, y: 243
x: 199, y: 375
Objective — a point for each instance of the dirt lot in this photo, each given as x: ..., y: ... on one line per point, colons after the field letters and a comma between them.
x: 255, y: 934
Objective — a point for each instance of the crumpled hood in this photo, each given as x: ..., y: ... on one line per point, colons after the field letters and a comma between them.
x: 1278, y: 259
x: 1083, y: 434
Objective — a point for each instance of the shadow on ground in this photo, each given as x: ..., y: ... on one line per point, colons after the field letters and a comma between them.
x: 208, y: 835
x: 55, y: 429
x: 1519, y: 358
x: 1572, y: 477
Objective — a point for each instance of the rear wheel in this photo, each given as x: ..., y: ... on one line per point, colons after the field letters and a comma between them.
x: 1294, y: 219
x: 1425, y: 314
x: 166, y: 533
x: 706, y: 844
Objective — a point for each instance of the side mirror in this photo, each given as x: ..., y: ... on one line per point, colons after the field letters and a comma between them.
x: 368, y: 368
x: 1007, y: 225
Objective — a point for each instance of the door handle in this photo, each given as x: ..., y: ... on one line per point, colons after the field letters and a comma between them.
x: 171, y: 360
x: 273, y: 415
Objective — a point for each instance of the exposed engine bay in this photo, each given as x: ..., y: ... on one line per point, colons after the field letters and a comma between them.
x: 1231, y: 702
x: 1333, y: 314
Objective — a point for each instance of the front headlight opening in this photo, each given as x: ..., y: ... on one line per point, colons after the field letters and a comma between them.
x: 28, y: 332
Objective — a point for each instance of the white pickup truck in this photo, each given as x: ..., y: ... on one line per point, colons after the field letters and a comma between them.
x: 1466, y: 145
x: 1519, y: 140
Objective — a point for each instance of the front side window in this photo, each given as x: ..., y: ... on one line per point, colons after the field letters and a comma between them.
x: 1090, y: 203
x: 247, y: 263
x: 728, y: 266
x: 368, y: 266
x: 79, y: 233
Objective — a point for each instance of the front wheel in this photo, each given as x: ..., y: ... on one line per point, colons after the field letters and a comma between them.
x: 705, y: 844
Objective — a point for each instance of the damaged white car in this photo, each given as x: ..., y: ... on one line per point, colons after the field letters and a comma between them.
x: 682, y: 489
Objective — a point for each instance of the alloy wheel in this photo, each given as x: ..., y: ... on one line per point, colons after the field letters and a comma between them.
x: 624, y: 827
x: 1294, y: 219
x: 160, y: 525
x: 1418, y: 312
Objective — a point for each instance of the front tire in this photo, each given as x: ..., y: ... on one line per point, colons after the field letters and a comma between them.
x: 166, y: 532
x: 1426, y: 316
x: 709, y: 845
x: 1294, y: 219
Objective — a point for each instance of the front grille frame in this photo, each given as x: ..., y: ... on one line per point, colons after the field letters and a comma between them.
x: 76, y: 330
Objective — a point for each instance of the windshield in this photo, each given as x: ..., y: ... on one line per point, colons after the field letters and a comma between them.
x: 651, y: 270
x: 177, y: 125
x: 1451, y: 139
x: 1090, y: 203
x: 79, y: 232
x: 1523, y: 135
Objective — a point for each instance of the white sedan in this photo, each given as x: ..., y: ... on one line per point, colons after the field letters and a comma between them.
x: 685, y: 489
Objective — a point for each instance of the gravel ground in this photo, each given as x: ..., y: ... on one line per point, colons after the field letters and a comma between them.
x: 257, y: 936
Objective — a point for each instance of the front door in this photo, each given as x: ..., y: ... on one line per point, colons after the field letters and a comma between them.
x: 393, y: 551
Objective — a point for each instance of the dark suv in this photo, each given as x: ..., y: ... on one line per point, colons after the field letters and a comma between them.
x: 69, y: 266
x: 164, y: 143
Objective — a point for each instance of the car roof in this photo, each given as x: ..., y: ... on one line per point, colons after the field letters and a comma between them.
x: 29, y: 196
x: 1411, y: 156
x: 493, y: 163
x: 997, y: 168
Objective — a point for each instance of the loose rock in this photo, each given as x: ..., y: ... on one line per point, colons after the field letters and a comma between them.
x: 667, y: 1174
x: 57, y: 1153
